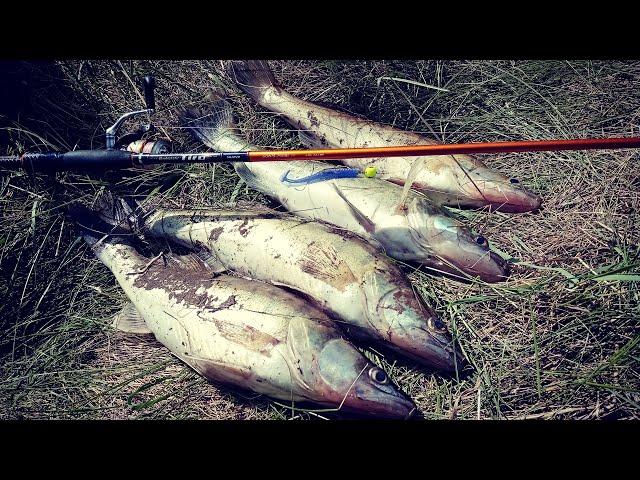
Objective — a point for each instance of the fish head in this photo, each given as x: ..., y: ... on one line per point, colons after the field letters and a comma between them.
x: 480, y: 186
x: 326, y: 368
x: 358, y: 385
x: 453, y: 247
x: 406, y: 324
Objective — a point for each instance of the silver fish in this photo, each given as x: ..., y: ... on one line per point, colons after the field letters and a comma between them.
x: 451, y: 180
x: 244, y: 333
x: 362, y: 288
x: 419, y: 232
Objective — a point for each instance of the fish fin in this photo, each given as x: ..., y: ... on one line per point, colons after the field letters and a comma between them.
x: 189, y: 263
x: 309, y: 140
x: 129, y: 320
x: 117, y: 211
x: 324, y: 263
x: 252, y: 76
x: 362, y: 219
x: 253, y: 180
x: 208, y: 124
x: 298, y: 343
x: 209, y: 258
x: 94, y: 228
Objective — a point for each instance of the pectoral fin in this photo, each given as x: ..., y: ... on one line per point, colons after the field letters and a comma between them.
x: 362, y: 219
x: 129, y: 320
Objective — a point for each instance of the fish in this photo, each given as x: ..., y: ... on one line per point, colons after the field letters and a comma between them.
x: 460, y: 181
x: 362, y: 289
x: 240, y: 332
x: 419, y: 231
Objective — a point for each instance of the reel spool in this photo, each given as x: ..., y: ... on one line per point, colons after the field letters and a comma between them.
x: 149, y: 146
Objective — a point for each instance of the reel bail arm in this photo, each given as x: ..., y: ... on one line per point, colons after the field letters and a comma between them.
x: 149, y: 85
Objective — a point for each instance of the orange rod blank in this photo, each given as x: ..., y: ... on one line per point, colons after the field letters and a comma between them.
x: 446, y: 149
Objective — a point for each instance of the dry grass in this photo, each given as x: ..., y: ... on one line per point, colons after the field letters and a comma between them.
x: 559, y: 340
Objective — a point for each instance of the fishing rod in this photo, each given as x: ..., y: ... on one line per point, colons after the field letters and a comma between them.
x: 131, y: 150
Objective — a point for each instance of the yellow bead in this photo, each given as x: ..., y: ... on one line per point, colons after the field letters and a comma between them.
x: 370, y: 172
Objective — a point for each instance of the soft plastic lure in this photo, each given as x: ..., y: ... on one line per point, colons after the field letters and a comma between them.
x: 321, y: 176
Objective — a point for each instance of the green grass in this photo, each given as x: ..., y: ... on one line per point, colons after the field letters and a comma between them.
x: 558, y: 340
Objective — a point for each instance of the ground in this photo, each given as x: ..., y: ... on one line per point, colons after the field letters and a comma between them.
x: 559, y: 340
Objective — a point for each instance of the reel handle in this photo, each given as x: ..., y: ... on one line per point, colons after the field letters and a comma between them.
x: 149, y: 85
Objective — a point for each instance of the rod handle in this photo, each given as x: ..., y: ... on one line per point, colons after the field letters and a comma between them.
x: 11, y: 162
x: 149, y: 85
x: 88, y: 160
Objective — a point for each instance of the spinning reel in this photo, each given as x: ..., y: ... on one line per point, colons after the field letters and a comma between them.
x: 137, y: 141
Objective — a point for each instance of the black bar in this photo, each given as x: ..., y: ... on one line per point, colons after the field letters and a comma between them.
x: 110, y: 159
x: 78, y: 160
x: 12, y: 162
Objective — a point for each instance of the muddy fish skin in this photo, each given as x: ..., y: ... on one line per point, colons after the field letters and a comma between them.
x: 451, y: 180
x: 369, y: 207
x: 247, y: 333
x: 365, y: 292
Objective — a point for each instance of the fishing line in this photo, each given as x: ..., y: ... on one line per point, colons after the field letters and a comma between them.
x: 619, y: 131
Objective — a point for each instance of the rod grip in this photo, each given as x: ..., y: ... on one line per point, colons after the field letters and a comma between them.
x: 11, y: 162
x: 79, y: 160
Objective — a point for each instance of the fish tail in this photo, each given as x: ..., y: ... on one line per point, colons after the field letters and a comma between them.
x: 119, y: 214
x: 214, y: 125
x: 116, y: 211
x: 94, y: 227
x: 253, y: 77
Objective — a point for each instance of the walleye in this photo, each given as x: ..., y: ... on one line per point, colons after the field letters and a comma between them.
x: 366, y: 293
x: 240, y: 332
x: 421, y: 232
x: 451, y: 180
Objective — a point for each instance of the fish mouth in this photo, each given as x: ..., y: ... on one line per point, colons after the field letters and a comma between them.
x: 490, y: 267
x: 485, y: 187
x: 511, y: 200
x: 437, y: 351
x: 493, y: 269
x: 518, y: 201
x: 382, y: 404
x: 402, y: 408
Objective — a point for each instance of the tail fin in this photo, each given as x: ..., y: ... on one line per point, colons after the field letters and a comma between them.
x: 115, y: 211
x: 214, y: 126
x: 110, y: 215
x: 94, y: 228
x: 252, y: 77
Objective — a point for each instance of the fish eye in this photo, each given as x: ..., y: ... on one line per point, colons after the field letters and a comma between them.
x: 378, y: 375
x: 514, y: 180
x: 436, y: 324
x: 480, y: 240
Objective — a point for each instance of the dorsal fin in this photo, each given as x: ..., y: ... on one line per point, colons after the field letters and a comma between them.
x: 190, y: 262
x: 216, y: 265
x: 309, y: 140
x: 361, y: 218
